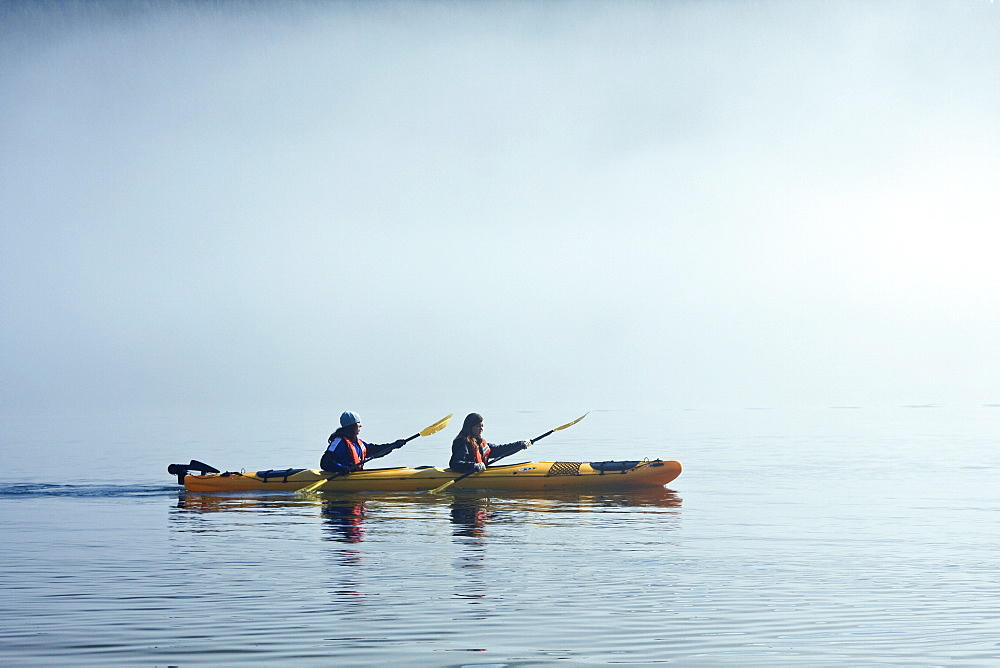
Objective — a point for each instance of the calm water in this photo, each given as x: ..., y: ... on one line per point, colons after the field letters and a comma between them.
x: 834, y: 536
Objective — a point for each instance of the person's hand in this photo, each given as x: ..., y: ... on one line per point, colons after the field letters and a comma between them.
x: 525, y: 444
x: 479, y: 466
x: 398, y: 444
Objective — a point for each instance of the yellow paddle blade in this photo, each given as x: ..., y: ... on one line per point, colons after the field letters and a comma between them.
x: 312, y: 487
x: 570, y: 424
x: 437, y: 426
x: 438, y: 490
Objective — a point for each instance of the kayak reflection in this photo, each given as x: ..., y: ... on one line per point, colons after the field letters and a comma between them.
x: 471, y: 512
x: 543, y: 501
x: 197, y: 502
x: 351, y: 517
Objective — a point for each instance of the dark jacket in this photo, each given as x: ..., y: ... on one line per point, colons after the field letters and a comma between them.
x: 463, y: 458
x: 338, y: 458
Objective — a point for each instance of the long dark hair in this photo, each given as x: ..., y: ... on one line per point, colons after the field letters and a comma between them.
x: 472, y: 420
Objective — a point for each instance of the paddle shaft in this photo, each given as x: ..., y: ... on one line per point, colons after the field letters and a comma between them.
x: 341, y: 475
x: 320, y: 483
x: 427, y: 431
x: 466, y: 475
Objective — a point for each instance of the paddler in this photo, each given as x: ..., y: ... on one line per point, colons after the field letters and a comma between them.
x: 346, y: 452
x: 470, y: 452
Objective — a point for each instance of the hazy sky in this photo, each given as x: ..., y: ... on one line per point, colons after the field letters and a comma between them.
x: 524, y: 204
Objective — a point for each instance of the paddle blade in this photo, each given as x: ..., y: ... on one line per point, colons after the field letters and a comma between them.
x: 438, y: 490
x: 570, y: 424
x: 437, y: 426
x: 312, y: 487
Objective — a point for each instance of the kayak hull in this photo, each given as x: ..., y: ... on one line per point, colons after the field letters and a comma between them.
x: 526, y: 476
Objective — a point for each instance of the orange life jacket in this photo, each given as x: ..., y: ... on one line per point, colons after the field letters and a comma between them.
x: 358, y: 450
x: 479, y: 453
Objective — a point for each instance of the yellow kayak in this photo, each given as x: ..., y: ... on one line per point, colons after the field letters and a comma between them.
x: 608, y: 475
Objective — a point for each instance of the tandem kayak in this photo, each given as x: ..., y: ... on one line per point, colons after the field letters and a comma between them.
x: 608, y: 475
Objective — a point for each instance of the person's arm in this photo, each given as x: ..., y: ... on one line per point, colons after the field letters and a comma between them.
x: 500, y: 451
x: 375, y: 451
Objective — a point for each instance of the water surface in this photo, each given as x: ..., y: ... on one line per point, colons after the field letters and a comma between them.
x: 835, y: 536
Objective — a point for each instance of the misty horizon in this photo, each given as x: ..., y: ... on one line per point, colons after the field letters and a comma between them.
x: 593, y: 205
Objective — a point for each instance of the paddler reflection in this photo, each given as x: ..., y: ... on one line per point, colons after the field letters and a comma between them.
x: 344, y: 520
x: 469, y: 514
x: 469, y: 517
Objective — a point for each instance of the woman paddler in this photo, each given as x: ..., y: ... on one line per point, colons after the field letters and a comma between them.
x: 470, y: 452
x: 346, y: 452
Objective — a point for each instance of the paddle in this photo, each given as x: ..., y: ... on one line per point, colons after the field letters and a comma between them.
x: 438, y: 490
x: 427, y: 431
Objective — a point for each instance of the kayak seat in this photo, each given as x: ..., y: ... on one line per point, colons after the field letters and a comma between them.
x: 613, y: 467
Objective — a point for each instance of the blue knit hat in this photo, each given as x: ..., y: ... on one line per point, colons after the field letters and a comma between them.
x: 347, y: 418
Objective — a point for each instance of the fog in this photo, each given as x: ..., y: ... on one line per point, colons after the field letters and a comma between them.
x: 528, y: 205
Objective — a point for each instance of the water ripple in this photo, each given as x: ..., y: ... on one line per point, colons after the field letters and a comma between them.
x: 85, y: 491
